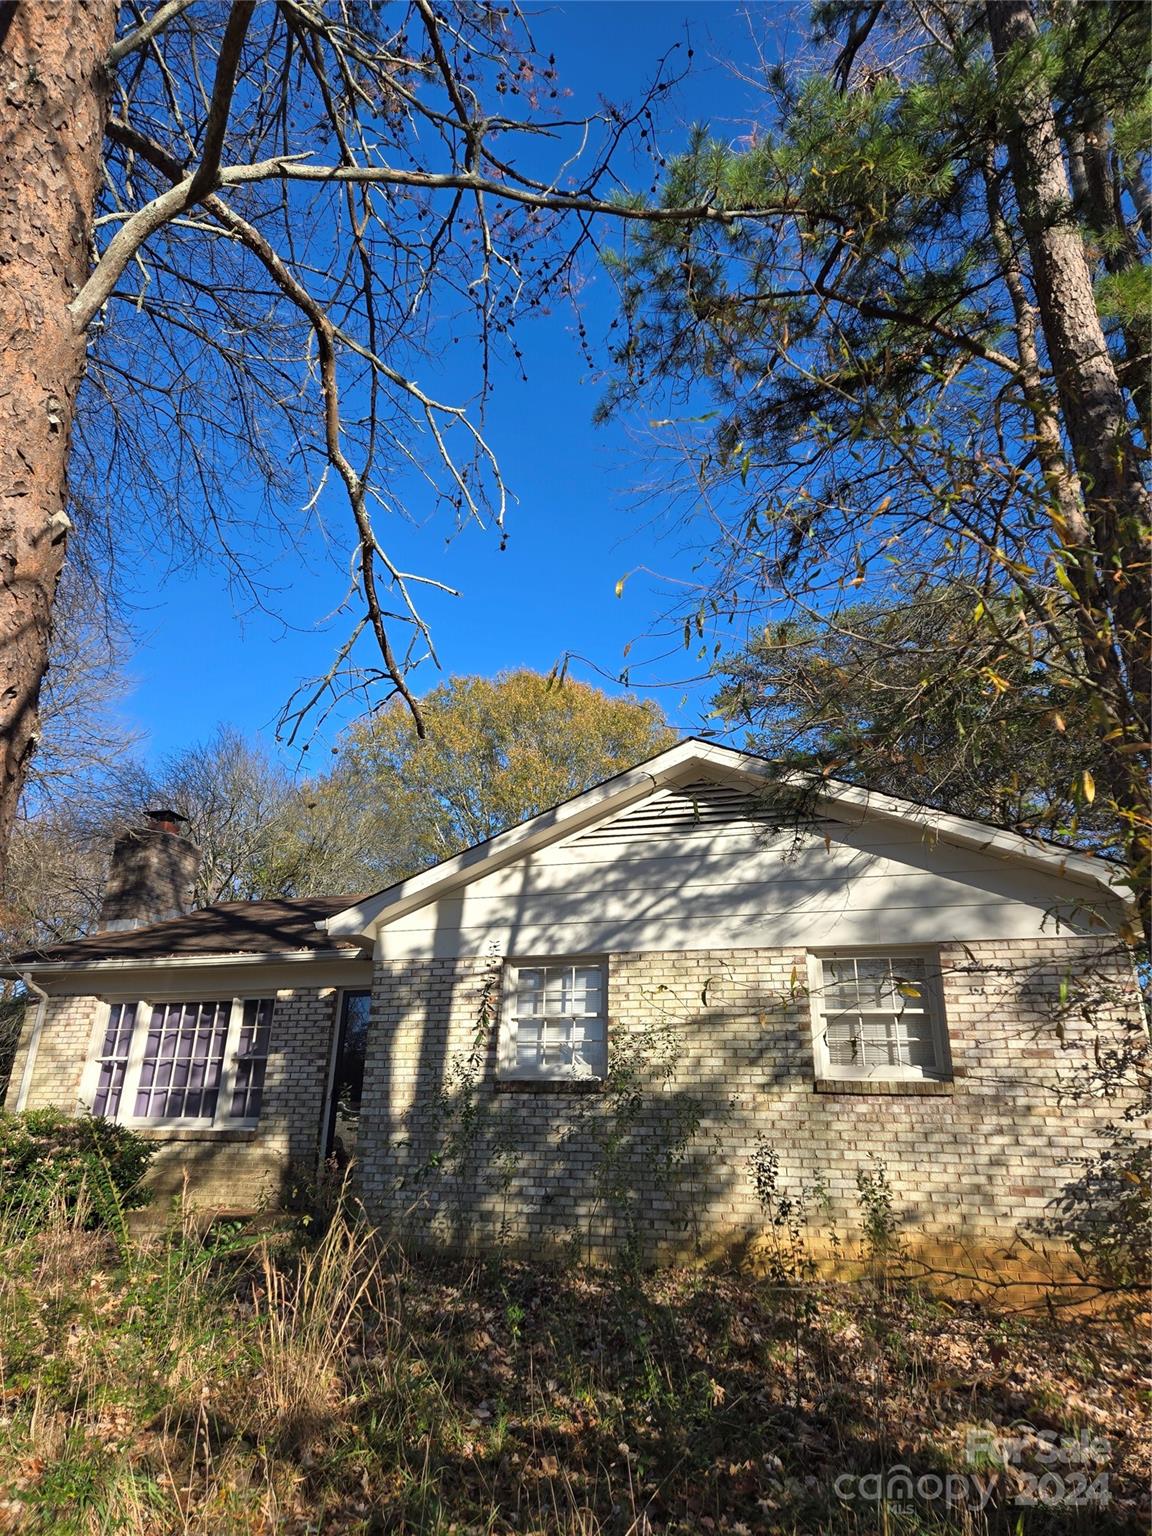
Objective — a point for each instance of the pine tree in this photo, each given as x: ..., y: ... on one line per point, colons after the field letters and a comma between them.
x: 933, y: 376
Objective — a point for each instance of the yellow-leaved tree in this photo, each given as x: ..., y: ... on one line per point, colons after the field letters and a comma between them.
x: 498, y: 750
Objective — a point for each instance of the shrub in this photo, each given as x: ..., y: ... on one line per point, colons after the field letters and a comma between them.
x: 1104, y: 1213
x: 878, y: 1210
x: 92, y: 1169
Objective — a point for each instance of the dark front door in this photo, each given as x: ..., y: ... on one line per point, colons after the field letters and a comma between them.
x: 348, y: 1076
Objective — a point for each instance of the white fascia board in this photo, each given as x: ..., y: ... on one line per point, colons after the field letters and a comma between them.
x: 977, y: 835
x: 617, y: 794
x: 571, y: 816
x: 187, y: 962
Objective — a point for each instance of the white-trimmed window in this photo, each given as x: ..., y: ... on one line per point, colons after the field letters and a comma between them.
x: 181, y: 1063
x: 878, y: 1015
x: 555, y: 1020
x: 251, y: 1058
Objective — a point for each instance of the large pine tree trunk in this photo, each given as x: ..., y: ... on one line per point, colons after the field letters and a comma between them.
x: 1091, y: 398
x: 52, y: 112
x: 1093, y: 408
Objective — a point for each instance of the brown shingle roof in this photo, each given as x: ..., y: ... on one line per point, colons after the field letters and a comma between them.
x: 227, y: 928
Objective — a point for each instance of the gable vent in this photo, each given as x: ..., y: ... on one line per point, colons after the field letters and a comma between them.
x: 687, y: 810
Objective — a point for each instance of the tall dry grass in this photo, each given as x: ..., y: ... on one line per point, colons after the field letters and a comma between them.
x: 230, y: 1382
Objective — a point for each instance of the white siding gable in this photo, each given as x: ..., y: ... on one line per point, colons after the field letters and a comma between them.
x: 711, y: 864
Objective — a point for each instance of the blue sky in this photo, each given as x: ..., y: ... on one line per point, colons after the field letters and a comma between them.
x: 576, y: 527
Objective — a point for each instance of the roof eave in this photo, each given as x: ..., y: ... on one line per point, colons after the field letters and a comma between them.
x: 616, y: 794
x: 13, y: 971
x: 571, y: 816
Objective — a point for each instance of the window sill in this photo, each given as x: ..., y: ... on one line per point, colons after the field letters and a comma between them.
x: 549, y: 1085
x: 195, y: 1133
x: 894, y: 1087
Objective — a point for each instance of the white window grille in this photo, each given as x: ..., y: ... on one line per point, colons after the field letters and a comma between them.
x: 195, y: 1063
x: 878, y: 1016
x: 556, y: 1020
x: 112, y: 1059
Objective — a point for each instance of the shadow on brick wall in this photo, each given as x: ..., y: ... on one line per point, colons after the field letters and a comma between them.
x: 710, y: 1053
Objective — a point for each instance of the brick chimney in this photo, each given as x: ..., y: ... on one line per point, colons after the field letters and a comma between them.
x: 152, y: 875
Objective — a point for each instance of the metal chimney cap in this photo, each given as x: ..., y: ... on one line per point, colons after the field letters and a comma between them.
x: 165, y: 820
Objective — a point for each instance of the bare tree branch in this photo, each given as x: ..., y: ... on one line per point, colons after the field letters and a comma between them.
x: 142, y: 35
x: 223, y: 87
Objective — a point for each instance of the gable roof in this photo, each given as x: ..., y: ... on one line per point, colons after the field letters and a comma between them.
x: 226, y: 928
x: 689, y: 760
x: 331, y: 926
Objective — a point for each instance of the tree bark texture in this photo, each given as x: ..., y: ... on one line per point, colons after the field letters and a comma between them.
x: 52, y: 110
x: 1091, y: 398
x: 1112, y: 580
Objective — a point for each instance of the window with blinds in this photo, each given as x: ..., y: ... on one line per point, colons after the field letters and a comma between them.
x: 878, y: 1015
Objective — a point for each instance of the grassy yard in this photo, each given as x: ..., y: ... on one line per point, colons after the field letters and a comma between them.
x: 252, y: 1386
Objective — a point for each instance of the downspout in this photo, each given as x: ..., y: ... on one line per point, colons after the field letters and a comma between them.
x: 33, y: 1041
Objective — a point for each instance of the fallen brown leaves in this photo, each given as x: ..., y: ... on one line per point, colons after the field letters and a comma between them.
x: 515, y: 1398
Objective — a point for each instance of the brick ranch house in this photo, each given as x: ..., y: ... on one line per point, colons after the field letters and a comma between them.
x: 588, y: 1028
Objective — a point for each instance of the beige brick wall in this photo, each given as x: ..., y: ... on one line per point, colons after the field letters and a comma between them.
x: 237, y: 1170
x: 966, y: 1163
x: 448, y: 1153
x: 62, y: 1054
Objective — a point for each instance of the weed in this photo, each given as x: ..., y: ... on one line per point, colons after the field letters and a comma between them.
x: 243, y: 1382
x: 880, y: 1222
x: 787, y: 1216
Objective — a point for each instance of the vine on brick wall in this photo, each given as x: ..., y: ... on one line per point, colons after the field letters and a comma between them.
x: 471, y: 1147
x: 1104, y: 1212
x: 645, y: 1132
